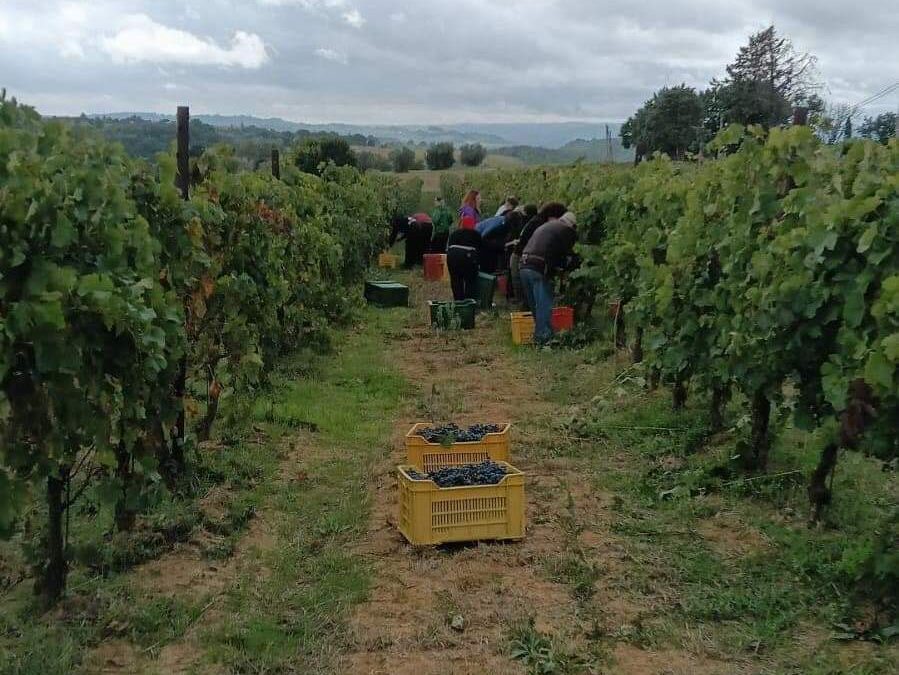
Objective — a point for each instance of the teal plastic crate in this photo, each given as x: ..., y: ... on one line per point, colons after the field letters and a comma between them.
x: 387, y: 293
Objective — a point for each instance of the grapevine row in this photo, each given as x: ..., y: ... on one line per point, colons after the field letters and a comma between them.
x: 769, y: 275
x: 124, y: 309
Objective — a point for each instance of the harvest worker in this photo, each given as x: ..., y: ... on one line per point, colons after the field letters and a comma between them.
x: 419, y: 239
x: 518, y: 219
x: 442, y: 218
x: 462, y: 256
x: 547, y: 212
x: 416, y: 231
x: 510, y: 204
x: 547, y: 252
x: 470, y: 211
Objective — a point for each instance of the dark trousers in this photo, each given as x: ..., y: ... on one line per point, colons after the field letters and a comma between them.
x: 417, y: 241
x: 490, y: 256
x: 463, y: 269
x: 438, y: 242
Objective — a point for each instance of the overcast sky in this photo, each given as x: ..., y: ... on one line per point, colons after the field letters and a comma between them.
x: 417, y: 61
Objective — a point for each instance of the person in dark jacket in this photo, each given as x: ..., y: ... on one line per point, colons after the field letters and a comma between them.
x: 547, y: 212
x: 547, y: 251
x: 399, y: 230
x: 495, y: 241
x: 510, y: 204
x: 525, y: 212
x: 499, y: 240
x: 462, y: 258
x: 519, y: 218
x: 416, y: 230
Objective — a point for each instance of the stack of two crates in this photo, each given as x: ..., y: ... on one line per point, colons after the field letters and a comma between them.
x: 431, y: 515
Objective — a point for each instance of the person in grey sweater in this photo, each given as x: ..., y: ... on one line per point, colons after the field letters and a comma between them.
x: 547, y: 252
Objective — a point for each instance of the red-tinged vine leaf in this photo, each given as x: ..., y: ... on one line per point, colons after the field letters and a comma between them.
x: 215, y: 389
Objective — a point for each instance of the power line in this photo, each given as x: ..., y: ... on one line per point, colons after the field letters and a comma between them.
x: 875, y: 97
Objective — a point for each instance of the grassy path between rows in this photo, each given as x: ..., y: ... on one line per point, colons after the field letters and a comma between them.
x: 635, y: 560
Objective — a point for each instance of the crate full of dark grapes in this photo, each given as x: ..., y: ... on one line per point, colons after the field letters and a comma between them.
x: 475, y: 502
x: 431, y: 447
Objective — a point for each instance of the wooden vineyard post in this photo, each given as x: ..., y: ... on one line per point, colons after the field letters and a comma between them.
x: 276, y: 164
x: 182, y: 179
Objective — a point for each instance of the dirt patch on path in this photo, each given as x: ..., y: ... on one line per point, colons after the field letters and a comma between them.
x: 406, y: 626
x: 630, y: 660
x: 460, y: 609
x: 188, y: 574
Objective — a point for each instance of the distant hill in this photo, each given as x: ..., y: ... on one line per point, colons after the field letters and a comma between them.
x: 543, y: 134
x: 537, y: 134
x: 593, y: 150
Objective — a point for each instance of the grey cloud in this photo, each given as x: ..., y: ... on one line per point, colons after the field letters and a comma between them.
x: 426, y: 60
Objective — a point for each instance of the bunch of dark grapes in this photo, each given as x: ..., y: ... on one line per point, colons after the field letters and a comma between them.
x: 452, y: 433
x: 485, y: 473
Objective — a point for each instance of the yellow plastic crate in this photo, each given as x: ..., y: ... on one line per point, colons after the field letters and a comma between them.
x: 522, y: 328
x: 430, y: 515
x: 432, y: 456
x: 387, y: 260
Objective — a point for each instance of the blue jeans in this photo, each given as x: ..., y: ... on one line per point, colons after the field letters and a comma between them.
x: 539, y: 293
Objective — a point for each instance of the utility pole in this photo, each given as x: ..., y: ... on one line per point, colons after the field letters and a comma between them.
x: 609, y: 144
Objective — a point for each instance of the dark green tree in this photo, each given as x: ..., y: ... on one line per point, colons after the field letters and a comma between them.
x: 670, y: 122
x: 881, y: 128
x: 402, y: 159
x: 313, y: 154
x: 472, y: 154
x: 767, y: 78
x: 847, y: 128
x: 772, y: 59
x: 440, y: 156
x: 368, y: 160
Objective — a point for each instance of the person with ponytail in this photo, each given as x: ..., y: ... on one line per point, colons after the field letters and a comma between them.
x: 470, y: 211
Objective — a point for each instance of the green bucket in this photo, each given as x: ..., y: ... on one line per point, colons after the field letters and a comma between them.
x: 450, y: 314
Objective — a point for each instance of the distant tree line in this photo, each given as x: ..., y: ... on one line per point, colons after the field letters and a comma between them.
x: 252, y: 145
x: 310, y: 151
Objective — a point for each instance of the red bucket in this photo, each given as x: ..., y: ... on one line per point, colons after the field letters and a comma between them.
x: 502, y: 285
x: 563, y: 318
x: 434, y: 264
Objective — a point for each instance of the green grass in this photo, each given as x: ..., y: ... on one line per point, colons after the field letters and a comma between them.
x: 285, y: 611
x: 543, y: 654
x: 292, y: 616
x: 571, y: 565
x: 669, y: 478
